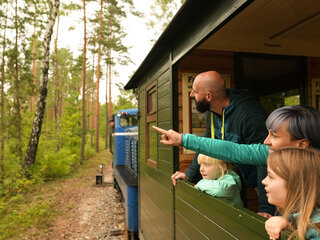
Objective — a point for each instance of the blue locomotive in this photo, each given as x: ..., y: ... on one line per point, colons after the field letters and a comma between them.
x: 125, y: 165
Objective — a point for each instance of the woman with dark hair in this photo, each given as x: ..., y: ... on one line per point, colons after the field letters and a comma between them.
x: 289, y: 126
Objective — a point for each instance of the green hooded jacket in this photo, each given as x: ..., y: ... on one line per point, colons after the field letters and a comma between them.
x: 227, y: 188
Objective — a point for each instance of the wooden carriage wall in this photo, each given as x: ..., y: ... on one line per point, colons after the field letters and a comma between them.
x: 224, y: 36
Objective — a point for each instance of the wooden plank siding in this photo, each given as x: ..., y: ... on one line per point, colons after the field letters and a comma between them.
x: 155, y: 187
x: 204, y: 217
x: 155, y: 211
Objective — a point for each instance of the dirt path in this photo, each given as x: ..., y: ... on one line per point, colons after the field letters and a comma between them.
x: 85, y: 210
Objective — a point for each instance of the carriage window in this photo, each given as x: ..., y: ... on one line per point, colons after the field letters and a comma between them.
x: 152, y: 100
x: 151, y: 120
x: 273, y: 101
x: 152, y: 141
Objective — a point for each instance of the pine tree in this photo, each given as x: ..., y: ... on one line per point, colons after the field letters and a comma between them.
x: 83, y: 136
x: 17, y: 103
x: 98, y: 76
x: 92, y: 42
x: 2, y: 125
x: 162, y: 11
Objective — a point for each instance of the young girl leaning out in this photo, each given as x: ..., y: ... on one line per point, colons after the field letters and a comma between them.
x: 218, y: 180
x: 293, y: 185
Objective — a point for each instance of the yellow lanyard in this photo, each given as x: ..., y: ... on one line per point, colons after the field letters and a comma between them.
x: 222, y: 127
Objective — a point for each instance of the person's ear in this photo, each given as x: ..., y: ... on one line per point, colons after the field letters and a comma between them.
x: 209, y: 96
x: 225, y: 167
x: 304, y: 143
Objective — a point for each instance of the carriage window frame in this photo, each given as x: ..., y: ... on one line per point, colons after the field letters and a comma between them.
x: 151, y: 119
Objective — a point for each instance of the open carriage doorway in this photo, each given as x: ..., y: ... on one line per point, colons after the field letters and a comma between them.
x: 275, y: 80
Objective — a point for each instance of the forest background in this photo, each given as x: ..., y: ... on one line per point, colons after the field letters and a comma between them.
x: 51, y: 118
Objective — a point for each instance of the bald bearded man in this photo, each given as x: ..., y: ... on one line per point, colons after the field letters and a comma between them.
x: 232, y: 115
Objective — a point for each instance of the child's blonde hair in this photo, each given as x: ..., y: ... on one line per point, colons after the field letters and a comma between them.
x: 300, y: 168
x: 223, y: 166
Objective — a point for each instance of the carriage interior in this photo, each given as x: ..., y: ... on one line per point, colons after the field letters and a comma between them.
x: 270, y: 58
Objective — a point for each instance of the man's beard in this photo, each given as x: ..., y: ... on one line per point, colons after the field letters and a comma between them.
x: 202, y: 106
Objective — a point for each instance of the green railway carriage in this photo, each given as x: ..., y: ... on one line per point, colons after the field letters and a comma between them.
x: 271, y: 47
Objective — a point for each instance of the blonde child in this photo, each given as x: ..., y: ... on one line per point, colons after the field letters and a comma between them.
x: 219, y: 180
x: 293, y: 185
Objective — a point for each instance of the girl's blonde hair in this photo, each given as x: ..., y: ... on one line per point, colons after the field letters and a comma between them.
x: 223, y: 166
x: 300, y: 168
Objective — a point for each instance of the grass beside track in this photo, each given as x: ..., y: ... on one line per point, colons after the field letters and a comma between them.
x: 37, y: 208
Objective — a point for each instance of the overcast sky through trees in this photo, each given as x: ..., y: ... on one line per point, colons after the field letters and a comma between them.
x: 138, y: 37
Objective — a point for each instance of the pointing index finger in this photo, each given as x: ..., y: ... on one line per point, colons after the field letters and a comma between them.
x: 159, y: 129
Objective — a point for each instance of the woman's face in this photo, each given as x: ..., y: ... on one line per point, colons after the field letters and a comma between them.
x: 276, y: 188
x: 280, y: 138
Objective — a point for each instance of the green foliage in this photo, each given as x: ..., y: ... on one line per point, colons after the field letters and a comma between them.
x: 126, y: 99
x: 20, y: 214
x: 112, y: 31
x: 36, y: 209
x: 71, y: 128
x: 59, y: 145
x: 162, y: 11
x: 53, y: 164
x: 17, y: 185
x: 13, y: 182
x: 89, y: 152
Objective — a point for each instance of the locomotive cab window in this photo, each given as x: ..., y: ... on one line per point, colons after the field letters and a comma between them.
x: 151, y: 120
x: 128, y: 121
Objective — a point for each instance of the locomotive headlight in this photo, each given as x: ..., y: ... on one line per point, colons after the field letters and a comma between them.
x: 118, y: 114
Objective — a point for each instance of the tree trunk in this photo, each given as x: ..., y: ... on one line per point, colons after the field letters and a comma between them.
x: 109, y: 70
x: 41, y: 105
x: 2, y: 126
x: 91, y: 104
x: 107, y: 115
x: 83, y: 139
x: 8, y: 122
x: 33, y: 69
x: 98, y: 79
x: 56, y: 89
x: 67, y: 92
x: 17, y: 90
